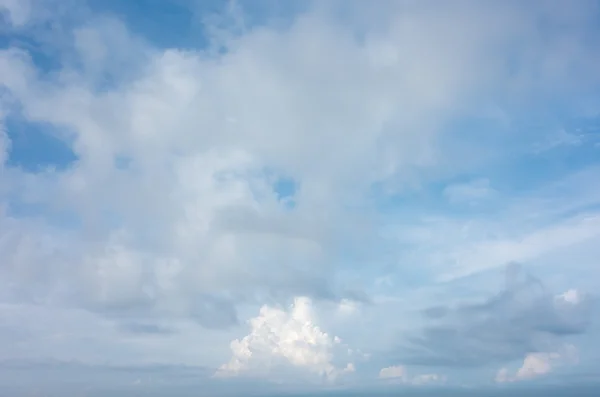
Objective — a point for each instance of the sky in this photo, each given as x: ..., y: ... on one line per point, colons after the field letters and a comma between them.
x: 260, y: 197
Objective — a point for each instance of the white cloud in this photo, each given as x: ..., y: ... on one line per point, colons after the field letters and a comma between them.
x: 396, y: 371
x: 399, y: 373
x: 571, y: 296
x: 536, y: 364
x: 347, y: 307
x: 189, y: 225
x: 206, y: 196
x: 290, y: 336
x: 425, y: 379
x: 478, y: 246
x: 539, y: 364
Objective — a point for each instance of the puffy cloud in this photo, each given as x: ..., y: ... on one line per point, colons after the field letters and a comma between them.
x: 536, y: 364
x: 400, y: 374
x: 289, y: 336
x: 525, y: 317
x: 396, y: 371
x: 211, y: 197
x: 571, y: 296
x: 425, y: 379
x: 539, y: 364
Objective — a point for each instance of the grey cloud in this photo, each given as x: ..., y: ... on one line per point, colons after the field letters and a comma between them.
x: 436, y: 311
x: 146, y: 328
x: 525, y: 317
x: 209, y: 311
x: 214, y: 312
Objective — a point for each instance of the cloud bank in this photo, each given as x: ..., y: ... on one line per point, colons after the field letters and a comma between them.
x: 308, y: 181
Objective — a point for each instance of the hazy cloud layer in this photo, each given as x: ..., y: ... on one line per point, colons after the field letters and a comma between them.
x: 330, y: 185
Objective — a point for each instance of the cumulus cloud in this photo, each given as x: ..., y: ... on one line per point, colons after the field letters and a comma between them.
x: 525, y: 317
x: 289, y: 336
x: 398, y: 373
x: 539, y: 364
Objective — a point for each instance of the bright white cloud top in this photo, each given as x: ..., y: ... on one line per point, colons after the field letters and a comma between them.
x: 260, y: 192
x: 292, y: 337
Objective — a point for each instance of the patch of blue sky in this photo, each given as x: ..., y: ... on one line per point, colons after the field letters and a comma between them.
x: 526, y: 173
x: 430, y: 201
x: 165, y: 24
x: 510, y: 172
x: 286, y: 188
x: 62, y: 219
x: 45, y: 58
x: 275, y: 14
x: 183, y: 23
x: 382, y: 262
x: 280, y: 185
x: 36, y: 147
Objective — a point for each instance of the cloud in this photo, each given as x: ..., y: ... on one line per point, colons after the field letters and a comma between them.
x: 525, y: 317
x: 206, y: 135
x: 545, y: 225
x: 17, y: 11
x: 512, y: 242
x: 4, y: 146
x: 146, y: 328
x: 205, y: 182
x: 539, y: 364
x: 572, y: 296
x: 399, y: 373
x: 289, y: 336
x: 425, y: 379
x: 396, y: 371
x: 347, y: 307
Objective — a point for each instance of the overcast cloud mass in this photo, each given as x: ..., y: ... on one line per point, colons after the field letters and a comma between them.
x: 215, y: 196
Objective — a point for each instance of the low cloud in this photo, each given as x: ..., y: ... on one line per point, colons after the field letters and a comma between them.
x: 539, y: 364
x: 399, y: 373
x: 287, y: 337
x: 523, y: 318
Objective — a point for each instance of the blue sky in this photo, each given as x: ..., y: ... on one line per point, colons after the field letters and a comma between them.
x: 298, y: 196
